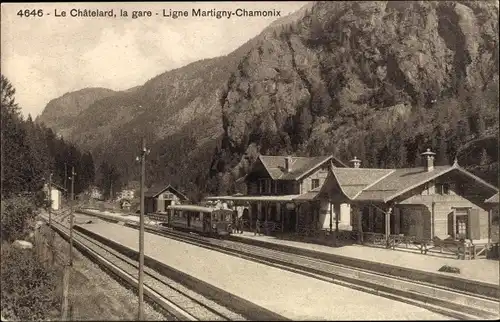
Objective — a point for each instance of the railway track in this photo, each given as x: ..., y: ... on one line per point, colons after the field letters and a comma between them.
x: 448, y: 302
x: 180, y: 302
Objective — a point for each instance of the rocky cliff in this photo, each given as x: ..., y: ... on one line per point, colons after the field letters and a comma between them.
x: 328, y: 82
x: 61, y: 112
x: 376, y: 79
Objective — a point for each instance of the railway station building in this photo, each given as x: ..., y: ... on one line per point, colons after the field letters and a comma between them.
x: 427, y: 204
x: 281, y: 193
x: 423, y: 204
x: 158, y: 198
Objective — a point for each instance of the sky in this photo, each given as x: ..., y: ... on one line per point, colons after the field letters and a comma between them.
x: 48, y: 56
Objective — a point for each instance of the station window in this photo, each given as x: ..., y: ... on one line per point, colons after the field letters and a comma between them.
x: 262, y: 186
x: 314, y: 183
x: 443, y: 188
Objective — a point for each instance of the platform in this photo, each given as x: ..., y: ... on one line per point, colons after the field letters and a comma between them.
x: 482, y: 270
x: 291, y: 295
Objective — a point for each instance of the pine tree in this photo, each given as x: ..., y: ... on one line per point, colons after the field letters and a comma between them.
x: 402, y: 155
x: 442, y: 156
x: 485, y: 159
x: 361, y: 149
x: 14, y: 151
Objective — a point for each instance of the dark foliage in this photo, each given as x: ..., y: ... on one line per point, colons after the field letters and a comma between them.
x: 31, y: 151
x: 29, y: 290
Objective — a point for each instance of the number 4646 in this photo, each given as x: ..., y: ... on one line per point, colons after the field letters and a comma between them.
x: 30, y: 13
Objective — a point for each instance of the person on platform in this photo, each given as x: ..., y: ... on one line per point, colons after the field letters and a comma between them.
x: 240, y: 224
x: 257, y: 228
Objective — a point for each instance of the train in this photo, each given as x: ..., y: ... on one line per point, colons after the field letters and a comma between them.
x: 207, y: 221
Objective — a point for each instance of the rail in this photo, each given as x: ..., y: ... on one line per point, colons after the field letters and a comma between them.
x: 165, y: 289
x: 450, y: 302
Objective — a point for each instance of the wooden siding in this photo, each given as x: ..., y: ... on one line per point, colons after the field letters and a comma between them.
x: 165, y: 196
x: 282, y: 187
x: 306, y: 183
x: 443, y: 206
x: 252, y: 188
x: 278, y: 187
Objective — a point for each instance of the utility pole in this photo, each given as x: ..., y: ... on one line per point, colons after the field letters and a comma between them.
x: 331, y: 218
x: 65, y: 177
x: 144, y: 152
x: 67, y: 268
x: 337, y: 214
x: 71, y: 220
x: 50, y: 199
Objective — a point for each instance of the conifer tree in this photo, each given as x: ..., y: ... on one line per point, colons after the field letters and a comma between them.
x: 485, y: 159
x: 442, y: 147
x: 14, y: 151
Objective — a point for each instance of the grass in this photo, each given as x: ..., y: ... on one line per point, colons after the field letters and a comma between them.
x: 96, y: 295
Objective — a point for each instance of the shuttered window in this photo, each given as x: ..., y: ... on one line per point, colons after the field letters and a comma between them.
x: 466, y: 224
x: 474, y: 224
x: 450, y: 224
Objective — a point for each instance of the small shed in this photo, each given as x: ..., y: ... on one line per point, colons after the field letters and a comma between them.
x: 157, y: 199
x: 56, y: 193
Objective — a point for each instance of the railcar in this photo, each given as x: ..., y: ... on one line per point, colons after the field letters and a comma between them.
x: 193, y: 218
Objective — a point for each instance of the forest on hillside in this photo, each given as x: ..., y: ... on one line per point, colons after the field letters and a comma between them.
x: 30, y: 153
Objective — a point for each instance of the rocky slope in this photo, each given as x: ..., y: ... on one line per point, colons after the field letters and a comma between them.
x: 350, y: 69
x: 61, y: 112
x: 336, y: 77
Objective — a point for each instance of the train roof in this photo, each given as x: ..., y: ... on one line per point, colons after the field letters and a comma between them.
x: 195, y: 208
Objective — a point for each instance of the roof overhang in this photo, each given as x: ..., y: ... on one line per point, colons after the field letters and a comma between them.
x: 493, y: 199
x: 316, y: 166
x: 156, y: 194
x: 331, y: 178
x: 283, y: 198
x: 308, y: 196
x: 439, y: 174
x: 194, y: 208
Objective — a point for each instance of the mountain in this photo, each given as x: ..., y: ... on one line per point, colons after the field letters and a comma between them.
x: 61, y: 112
x: 380, y: 80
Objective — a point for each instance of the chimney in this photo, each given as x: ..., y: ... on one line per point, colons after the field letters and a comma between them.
x: 429, y: 160
x: 355, y: 162
x: 288, y: 164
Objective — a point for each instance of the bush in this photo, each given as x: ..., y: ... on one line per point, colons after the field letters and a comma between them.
x: 16, y: 214
x: 29, y: 290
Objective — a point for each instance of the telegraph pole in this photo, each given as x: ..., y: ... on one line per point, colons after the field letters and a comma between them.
x: 331, y: 218
x: 67, y: 268
x: 144, y: 152
x: 71, y: 220
x: 65, y: 177
x: 50, y: 199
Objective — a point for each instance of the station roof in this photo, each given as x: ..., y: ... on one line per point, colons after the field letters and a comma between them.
x: 155, y: 191
x: 282, y: 198
x: 383, y: 185
x: 275, y: 165
x: 493, y: 199
x: 194, y: 208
